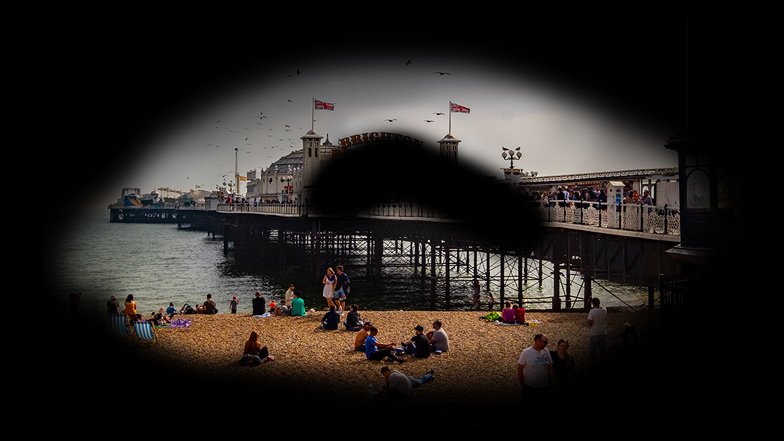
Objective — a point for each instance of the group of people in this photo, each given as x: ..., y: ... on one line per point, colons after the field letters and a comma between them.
x: 541, y: 372
x: 420, y: 345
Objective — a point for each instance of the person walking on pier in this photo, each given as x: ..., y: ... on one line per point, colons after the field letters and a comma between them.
x: 329, y: 282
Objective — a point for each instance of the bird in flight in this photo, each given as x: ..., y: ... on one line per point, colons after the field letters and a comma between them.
x: 429, y: 120
x: 409, y: 62
x: 442, y: 73
x: 438, y: 113
x: 390, y: 120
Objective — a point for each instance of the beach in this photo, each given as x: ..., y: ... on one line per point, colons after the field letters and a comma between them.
x: 196, y: 368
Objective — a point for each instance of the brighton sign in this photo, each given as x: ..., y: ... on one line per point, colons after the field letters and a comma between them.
x: 371, y: 137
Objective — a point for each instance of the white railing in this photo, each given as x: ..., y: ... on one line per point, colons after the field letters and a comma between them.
x: 627, y: 217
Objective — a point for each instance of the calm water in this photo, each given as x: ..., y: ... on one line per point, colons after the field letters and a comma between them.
x: 159, y: 264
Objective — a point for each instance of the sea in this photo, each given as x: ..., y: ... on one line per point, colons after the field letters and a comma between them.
x: 160, y: 264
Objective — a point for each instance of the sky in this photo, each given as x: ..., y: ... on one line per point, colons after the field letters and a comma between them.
x: 153, y: 102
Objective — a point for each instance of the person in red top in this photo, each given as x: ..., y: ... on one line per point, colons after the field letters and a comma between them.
x: 519, y: 314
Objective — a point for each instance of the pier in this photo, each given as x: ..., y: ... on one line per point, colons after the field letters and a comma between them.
x: 582, y: 241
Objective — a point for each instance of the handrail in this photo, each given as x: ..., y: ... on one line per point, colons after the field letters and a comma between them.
x: 635, y: 217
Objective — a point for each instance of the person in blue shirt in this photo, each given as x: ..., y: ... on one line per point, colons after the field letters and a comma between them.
x: 331, y: 319
x: 375, y: 351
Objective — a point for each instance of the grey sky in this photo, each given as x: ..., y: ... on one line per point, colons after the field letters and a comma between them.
x: 174, y: 100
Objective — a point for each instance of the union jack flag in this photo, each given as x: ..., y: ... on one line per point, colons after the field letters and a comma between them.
x: 321, y: 105
x: 457, y: 108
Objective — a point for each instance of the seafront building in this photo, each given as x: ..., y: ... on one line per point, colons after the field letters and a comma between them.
x: 288, y: 179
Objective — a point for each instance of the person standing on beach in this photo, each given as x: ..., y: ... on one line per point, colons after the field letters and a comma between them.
x: 535, y: 369
x: 329, y: 282
x: 597, y: 335
x: 297, y: 305
x: 233, y: 304
x: 342, y: 288
x: 475, y: 291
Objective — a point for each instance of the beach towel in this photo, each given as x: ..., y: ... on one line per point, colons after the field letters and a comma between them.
x: 180, y: 323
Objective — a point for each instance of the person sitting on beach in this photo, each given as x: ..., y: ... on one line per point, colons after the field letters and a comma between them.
x: 208, y: 307
x: 289, y: 295
x: 375, y: 351
x: 439, y: 341
x: 258, y: 303
x: 507, y: 314
x: 519, y: 314
x: 253, y: 353
x: 297, y: 305
x: 171, y: 310
x: 284, y: 309
x: 113, y: 306
x: 331, y: 319
x: 130, y: 308
x: 418, y: 345
x: 362, y: 335
x: 353, y: 321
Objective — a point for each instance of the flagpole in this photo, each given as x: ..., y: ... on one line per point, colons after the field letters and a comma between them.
x: 449, y: 110
x: 312, y: 113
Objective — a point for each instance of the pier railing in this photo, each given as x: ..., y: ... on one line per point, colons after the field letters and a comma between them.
x: 632, y: 217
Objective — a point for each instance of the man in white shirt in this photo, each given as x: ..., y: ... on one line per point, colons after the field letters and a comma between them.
x: 439, y: 341
x: 597, y: 335
x: 535, y: 369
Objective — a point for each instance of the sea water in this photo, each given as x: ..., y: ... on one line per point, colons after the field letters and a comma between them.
x: 160, y: 264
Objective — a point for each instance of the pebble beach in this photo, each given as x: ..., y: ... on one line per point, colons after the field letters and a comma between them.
x: 197, y: 367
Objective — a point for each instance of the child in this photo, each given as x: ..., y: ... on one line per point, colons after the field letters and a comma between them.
x: 272, y: 307
x: 234, y: 303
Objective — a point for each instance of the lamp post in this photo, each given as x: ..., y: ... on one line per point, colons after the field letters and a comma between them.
x: 511, y: 155
x: 511, y: 172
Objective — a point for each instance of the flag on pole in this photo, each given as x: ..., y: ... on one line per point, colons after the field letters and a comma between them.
x: 321, y: 105
x: 457, y: 108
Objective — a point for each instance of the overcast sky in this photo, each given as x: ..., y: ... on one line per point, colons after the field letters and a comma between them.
x: 164, y: 103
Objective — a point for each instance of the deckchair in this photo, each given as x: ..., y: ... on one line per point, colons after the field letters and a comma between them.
x: 120, y: 326
x: 145, y: 332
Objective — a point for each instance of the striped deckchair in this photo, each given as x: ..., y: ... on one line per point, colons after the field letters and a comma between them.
x: 120, y: 326
x: 145, y: 332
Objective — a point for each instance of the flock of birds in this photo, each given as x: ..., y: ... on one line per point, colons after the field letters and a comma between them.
x: 268, y: 148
